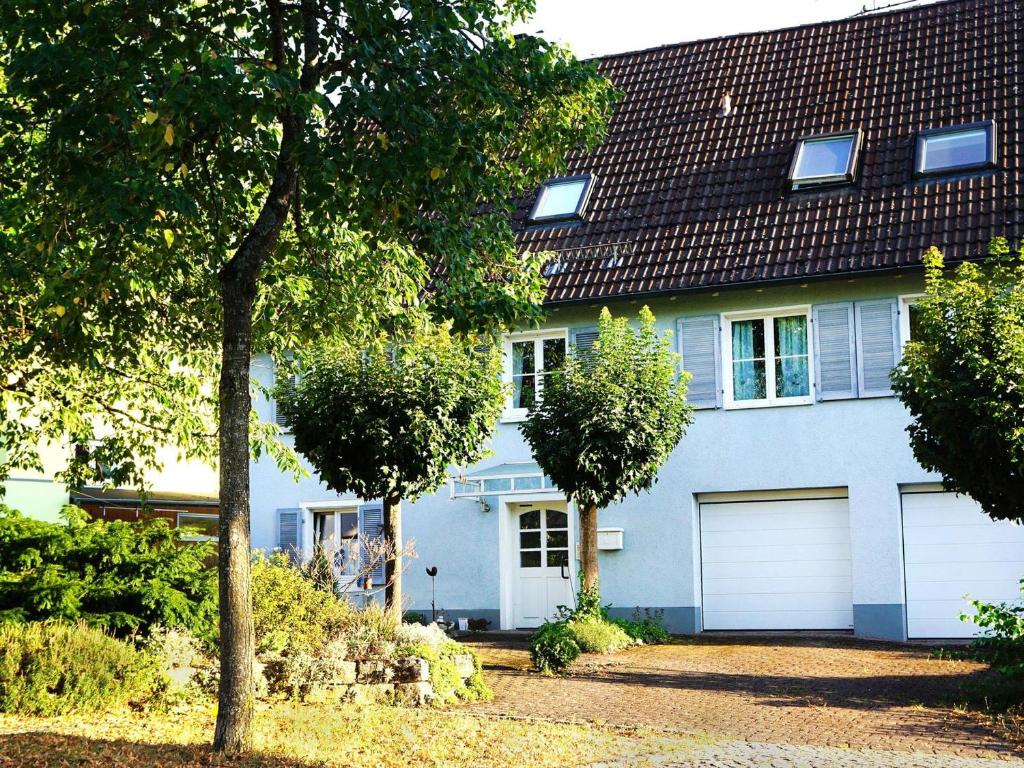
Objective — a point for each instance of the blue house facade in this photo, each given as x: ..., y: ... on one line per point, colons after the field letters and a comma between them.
x: 769, y: 197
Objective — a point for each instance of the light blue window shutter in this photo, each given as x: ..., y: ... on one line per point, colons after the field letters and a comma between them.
x: 289, y: 532
x: 700, y: 346
x: 371, y: 528
x: 278, y: 415
x: 583, y: 340
x: 877, y: 346
x: 835, y: 351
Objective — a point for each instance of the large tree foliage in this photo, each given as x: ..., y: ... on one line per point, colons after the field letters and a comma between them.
x: 186, y: 181
x: 608, y: 420
x: 962, y: 378
x: 387, y: 420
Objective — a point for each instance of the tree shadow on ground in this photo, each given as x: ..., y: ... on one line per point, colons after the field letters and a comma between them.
x: 871, y: 692
x: 37, y: 749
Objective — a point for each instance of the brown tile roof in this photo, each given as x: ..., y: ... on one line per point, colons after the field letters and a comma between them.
x: 693, y: 199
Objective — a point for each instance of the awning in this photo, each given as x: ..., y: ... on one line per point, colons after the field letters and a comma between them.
x: 504, y: 479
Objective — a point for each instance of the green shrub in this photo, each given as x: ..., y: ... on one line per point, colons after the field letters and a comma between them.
x: 118, y: 576
x: 596, y: 635
x: 1003, y: 643
x: 553, y: 647
x: 50, y: 668
x: 648, y: 628
x: 289, y: 611
x: 448, y: 685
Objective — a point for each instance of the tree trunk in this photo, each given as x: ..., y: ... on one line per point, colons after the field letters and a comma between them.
x: 393, y: 564
x: 588, y: 546
x: 239, y: 279
x: 237, y: 648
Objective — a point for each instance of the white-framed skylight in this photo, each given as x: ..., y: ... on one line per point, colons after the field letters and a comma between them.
x: 825, y: 159
x: 956, y: 148
x: 562, y: 198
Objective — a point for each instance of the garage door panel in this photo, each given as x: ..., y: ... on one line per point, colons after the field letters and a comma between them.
x: 955, y: 552
x: 961, y: 552
x: 776, y: 537
x: 940, y: 628
x: 780, y: 585
x: 986, y: 591
x: 792, y: 552
x: 776, y: 602
x: 776, y: 565
x: 771, y: 516
x: 780, y: 619
x: 816, y: 569
x: 985, y: 532
x: 942, y: 609
x: 1008, y: 572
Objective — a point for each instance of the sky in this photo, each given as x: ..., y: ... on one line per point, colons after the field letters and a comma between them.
x: 598, y: 27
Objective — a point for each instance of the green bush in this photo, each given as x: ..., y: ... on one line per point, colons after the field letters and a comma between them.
x: 50, y: 668
x: 648, y: 628
x: 289, y: 611
x: 596, y: 635
x: 120, y: 577
x: 553, y: 647
x: 448, y: 685
x: 1003, y: 644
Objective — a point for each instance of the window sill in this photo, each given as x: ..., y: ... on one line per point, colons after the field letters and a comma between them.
x: 754, y: 404
x: 515, y: 416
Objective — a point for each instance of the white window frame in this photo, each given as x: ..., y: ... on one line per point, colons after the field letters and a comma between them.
x: 538, y: 337
x: 771, y: 401
x: 338, y: 507
x: 903, y: 307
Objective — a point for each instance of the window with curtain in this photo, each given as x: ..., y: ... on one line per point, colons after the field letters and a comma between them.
x: 770, y: 359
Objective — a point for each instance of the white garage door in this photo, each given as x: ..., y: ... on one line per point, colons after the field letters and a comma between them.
x: 781, y: 564
x: 952, y: 549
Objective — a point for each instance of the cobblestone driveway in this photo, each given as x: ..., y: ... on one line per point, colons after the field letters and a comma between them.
x: 797, y: 701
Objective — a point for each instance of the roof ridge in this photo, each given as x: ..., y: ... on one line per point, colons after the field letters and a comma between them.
x: 809, y: 25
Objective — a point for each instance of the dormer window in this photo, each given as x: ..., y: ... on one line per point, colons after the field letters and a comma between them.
x: 960, y: 148
x: 826, y: 159
x: 562, y: 198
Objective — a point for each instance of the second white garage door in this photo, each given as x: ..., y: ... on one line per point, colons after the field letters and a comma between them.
x: 954, y: 551
x: 776, y: 564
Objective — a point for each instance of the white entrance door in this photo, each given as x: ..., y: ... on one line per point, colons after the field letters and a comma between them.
x: 953, y: 551
x: 542, y: 562
x: 776, y: 564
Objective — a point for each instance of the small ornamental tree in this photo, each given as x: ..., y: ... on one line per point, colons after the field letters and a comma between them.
x: 386, y: 422
x: 608, y: 421
x: 962, y: 378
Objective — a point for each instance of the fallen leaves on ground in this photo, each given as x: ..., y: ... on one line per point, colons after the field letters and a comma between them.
x: 306, y: 736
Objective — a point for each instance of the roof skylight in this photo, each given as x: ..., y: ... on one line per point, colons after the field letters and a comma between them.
x: 562, y: 198
x: 827, y: 159
x: 958, y: 148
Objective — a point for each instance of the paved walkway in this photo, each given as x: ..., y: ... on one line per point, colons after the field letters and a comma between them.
x: 795, y: 701
x: 740, y: 754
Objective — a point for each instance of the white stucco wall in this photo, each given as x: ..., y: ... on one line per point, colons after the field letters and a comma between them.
x: 859, y: 445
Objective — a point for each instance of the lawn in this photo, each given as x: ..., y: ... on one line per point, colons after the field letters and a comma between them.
x: 290, y: 736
